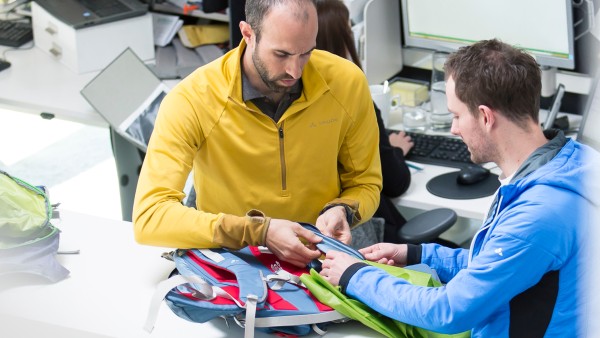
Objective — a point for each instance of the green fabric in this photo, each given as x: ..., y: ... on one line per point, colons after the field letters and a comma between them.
x: 351, y: 308
x: 24, y: 210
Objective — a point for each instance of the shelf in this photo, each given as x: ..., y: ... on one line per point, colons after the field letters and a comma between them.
x: 173, y: 9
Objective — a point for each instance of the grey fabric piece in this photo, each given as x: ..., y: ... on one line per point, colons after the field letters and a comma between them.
x: 368, y: 233
x: 36, y: 256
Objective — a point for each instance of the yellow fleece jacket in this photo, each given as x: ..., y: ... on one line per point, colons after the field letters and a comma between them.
x: 246, y: 167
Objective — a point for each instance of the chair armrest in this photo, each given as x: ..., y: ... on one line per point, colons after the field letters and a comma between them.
x: 427, y: 226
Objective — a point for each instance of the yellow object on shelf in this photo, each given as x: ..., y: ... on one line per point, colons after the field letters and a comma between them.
x: 408, y: 93
x: 193, y: 36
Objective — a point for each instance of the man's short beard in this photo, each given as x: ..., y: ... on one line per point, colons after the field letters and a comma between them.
x: 264, y: 74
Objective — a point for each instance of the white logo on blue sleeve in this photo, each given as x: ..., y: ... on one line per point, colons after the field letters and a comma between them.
x: 498, y: 251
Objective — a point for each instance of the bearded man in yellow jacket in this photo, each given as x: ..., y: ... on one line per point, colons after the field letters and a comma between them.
x: 275, y: 132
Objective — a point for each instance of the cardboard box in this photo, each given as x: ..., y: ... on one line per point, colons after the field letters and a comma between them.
x: 91, y: 48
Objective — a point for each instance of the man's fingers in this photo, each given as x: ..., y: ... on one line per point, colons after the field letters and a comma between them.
x: 302, y: 256
x: 310, y: 236
x: 325, y: 231
x: 367, y: 250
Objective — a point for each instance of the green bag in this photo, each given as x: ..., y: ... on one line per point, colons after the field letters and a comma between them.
x: 331, y: 296
x: 28, y: 241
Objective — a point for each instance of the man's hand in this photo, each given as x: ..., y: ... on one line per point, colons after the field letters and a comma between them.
x: 386, y: 253
x: 283, y: 240
x: 335, y: 264
x: 333, y: 223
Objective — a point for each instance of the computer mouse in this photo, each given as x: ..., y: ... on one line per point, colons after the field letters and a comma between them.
x: 4, y: 64
x: 472, y: 174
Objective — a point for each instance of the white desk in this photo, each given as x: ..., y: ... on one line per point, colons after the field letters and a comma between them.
x: 417, y: 196
x: 35, y: 83
x: 108, y: 292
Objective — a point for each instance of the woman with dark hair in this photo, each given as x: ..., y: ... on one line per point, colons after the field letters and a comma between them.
x: 335, y: 36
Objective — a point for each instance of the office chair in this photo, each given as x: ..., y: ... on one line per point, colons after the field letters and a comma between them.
x: 428, y: 226
x: 423, y: 228
x: 128, y: 159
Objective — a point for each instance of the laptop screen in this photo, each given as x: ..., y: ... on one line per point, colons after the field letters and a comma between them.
x: 127, y: 95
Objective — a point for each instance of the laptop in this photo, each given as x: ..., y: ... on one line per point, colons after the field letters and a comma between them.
x: 127, y: 94
x: 589, y: 129
x: 85, y: 13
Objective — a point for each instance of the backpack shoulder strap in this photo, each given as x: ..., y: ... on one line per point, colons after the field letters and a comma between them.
x: 250, y: 281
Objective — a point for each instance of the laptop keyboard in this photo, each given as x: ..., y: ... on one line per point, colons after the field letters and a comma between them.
x: 439, y: 150
x: 104, y: 8
x: 15, y: 33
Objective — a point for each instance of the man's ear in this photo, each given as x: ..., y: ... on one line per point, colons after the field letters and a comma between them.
x: 246, y: 31
x: 487, y: 116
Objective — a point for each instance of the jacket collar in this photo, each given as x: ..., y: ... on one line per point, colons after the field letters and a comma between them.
x: 537, y: 159
x: 543, y: 154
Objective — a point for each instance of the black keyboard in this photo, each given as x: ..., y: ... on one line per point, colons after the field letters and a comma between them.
x: 439, y: 150
x: 15, y: 33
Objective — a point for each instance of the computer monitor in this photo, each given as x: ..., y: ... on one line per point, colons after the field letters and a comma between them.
x: 542, y: 27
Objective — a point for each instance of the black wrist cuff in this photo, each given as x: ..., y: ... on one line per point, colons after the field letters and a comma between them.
x: 347, y: 275
x: 413, y: 254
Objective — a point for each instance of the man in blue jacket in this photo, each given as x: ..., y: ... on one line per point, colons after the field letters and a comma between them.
x: 521, y: 276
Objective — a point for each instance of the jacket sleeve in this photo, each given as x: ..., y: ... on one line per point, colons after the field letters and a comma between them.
x: 159, y: 217
x: 445, y: 261
x: 359, y: 161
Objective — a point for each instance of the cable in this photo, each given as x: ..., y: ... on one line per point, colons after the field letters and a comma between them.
x: 28, y: 45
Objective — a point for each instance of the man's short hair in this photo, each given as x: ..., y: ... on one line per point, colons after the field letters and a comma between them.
x: 498, y: 75
x: 256, y: 10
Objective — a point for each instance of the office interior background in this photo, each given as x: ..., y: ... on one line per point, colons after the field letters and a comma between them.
x: 76, y: 160
x: 50, y: 135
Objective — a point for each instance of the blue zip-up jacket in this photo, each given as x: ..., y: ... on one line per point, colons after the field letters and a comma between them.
x: 522, y: 275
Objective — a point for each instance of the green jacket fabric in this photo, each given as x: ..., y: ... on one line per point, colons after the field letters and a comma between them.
x: 248, y: 168
x: 354, y: 309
